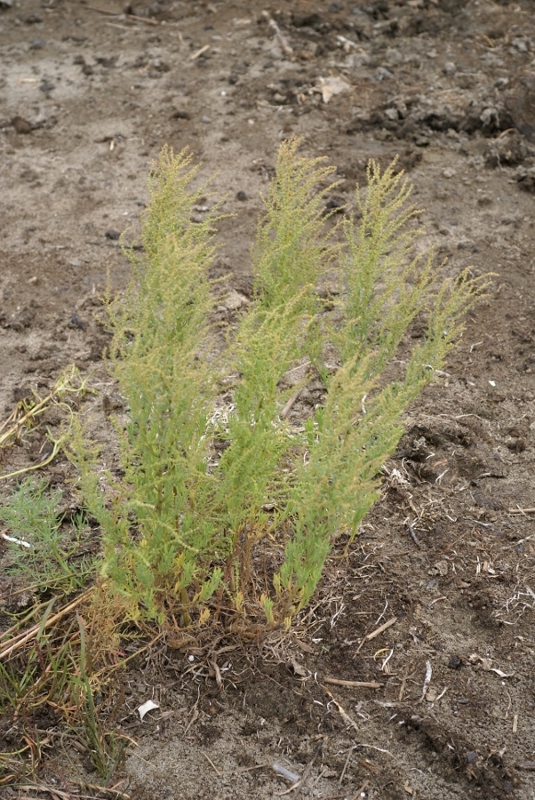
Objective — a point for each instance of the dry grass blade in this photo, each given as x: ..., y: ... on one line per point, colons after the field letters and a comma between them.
x: 353, y: 684
x: 54, y: 792
x: 16, y: 642
x: 70, y: 382
x: 343, y: 713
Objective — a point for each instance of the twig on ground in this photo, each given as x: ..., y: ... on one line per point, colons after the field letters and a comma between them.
x: 341, y: 710
x: 198, y: 53
x: 105, y: 11
x: 38, y: 787
x: 133, y: 17
x: 354, y: 684
x: 377, y: 631
x: 346, y: 764
x: 109, y: 790
x: 54, y: 792
x: 306, y: 774
x: 287, y: 50
x: 194, y: 714
x: 207, y: 757
x: 413, y: 535
x: 367, y: 765
x: 286, y: 773
x: 145, y: 20
x: 402, y: 687
x: 437, y: 599
x: 288, y: 407
x: 427, y: 679
x: 361, y: 790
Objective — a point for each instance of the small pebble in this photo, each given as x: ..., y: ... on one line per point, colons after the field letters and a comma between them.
x: 21, y: 125
x: 180, y: 115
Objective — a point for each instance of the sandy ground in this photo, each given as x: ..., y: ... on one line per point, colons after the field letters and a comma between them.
x: 88, y: 96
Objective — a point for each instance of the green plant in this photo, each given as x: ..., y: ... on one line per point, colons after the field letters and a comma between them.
x: 233, y: 510
x: 41, y: 546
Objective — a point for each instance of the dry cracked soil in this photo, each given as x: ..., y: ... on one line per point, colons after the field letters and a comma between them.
x: 412, y: 673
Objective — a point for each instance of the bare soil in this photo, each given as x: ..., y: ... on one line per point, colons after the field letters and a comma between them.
x: 89, y: 93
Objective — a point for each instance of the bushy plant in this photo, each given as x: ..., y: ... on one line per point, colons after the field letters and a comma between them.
x: 42, y: 547
x: 242, y: 530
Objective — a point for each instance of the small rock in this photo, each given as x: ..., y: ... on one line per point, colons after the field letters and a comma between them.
x: 76, y: 322
x: 112, y: 402
x: 520, y: 103
x: 108, y: 62
x: 490, y: 118
x: 113, y: 235
x: 241, y: 196
x: 181, y: 115
x: 521, y: 44
x: 526, y: 179
x: 509, y: 148
x: 392, y: 114
x: 336, y: 204
x: 383, y: 74
x: 449, y: 172
x: 393, y: 57
x: 22, y: 318
x: 21, y: 125
x: 233, y: 301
